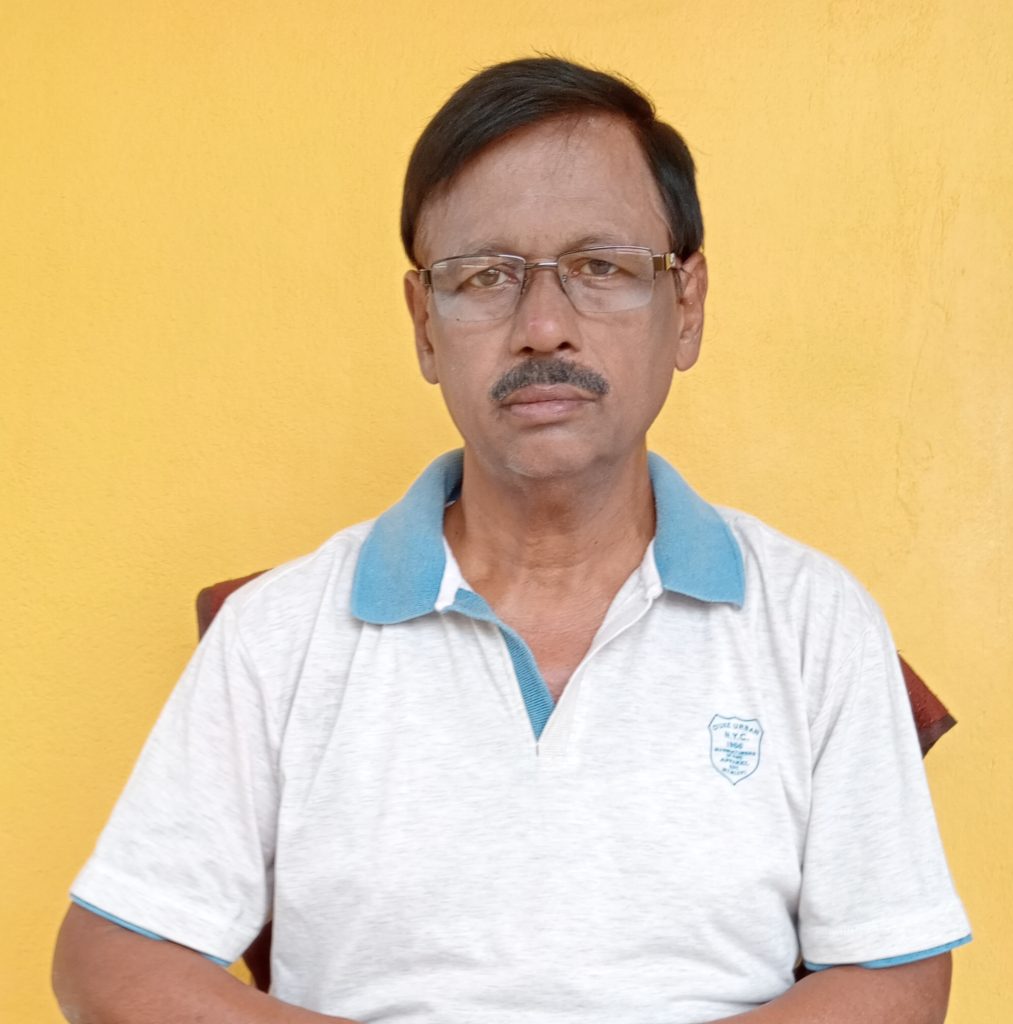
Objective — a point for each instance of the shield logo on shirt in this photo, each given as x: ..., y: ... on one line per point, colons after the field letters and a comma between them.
x: 735, y: 746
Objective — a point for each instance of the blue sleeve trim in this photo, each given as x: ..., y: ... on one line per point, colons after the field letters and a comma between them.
x: 896, y: 961
x: 135, y: 928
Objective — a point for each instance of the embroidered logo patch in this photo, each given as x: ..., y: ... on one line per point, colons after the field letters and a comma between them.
x: 735, y: 746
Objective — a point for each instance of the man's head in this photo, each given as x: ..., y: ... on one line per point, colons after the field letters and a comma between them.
x: 508, y: 97
x: 551, y: 366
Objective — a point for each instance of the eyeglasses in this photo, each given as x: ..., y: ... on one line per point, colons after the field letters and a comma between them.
x: 599, y: 279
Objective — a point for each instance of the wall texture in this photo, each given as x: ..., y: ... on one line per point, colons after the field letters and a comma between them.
x: 206, y: 368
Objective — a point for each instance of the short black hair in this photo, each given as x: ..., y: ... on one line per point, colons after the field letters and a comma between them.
x: 510, y: 96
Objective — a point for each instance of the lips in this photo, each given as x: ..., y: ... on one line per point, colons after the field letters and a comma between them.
x: 536, y: 393
x: 545, y: 403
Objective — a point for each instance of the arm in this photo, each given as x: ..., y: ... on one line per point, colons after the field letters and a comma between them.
x: 104, y: 974
x: 915, y: 993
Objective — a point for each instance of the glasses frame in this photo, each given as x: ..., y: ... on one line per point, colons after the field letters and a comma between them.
x: 661, y: 262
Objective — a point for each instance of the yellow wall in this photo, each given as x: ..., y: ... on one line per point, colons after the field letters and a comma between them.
x: 206, y: 368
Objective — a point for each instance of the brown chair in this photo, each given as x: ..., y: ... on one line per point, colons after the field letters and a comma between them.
x: 932, y: 720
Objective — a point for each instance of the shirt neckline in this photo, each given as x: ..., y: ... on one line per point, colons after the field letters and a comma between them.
x: 402, y: 563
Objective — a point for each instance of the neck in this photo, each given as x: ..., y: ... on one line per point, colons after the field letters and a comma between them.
x: 569, y: 533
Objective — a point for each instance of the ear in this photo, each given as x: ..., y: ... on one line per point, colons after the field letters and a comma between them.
x: 417, y: 299
x: 691, y: 301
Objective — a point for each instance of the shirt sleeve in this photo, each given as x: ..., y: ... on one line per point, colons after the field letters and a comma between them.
x: 188, y: 851
x: 876, y: 889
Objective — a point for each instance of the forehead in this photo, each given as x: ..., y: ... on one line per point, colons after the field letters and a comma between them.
x: 547, y: 188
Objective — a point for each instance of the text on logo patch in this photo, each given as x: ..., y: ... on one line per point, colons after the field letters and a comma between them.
x: 735, y: 746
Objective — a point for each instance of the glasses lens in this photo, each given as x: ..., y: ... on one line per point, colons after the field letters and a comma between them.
x: 608, y: 280
x: 603, y: 279
x: 477, y: 287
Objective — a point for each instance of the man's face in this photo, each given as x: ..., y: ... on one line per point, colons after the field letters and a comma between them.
x: 549, y: 189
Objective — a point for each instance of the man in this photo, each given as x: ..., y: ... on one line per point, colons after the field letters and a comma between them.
x: 552, y: 739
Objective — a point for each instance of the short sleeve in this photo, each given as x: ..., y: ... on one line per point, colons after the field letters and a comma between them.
x: 875, y: 884
x: 188, y: 851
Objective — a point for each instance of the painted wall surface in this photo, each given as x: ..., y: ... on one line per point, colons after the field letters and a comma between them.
x: 206, y: 367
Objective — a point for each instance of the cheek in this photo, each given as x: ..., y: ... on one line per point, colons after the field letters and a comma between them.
x: 456, y: 368
x: 464, y: 379
x: 468, y: 361
x: 643, y: 380
x: 647, y: 394
x: 641, y: 359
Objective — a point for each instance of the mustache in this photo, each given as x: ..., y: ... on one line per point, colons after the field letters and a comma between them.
x: 548, y: 371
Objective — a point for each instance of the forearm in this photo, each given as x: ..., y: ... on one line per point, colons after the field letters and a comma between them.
x: 915, y: 993
x: 104, y: 974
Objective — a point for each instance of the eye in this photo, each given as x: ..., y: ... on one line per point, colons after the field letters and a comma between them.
x: 500, y: 275
x: 597, y: 268
x: 587, y: 268
x: 609, y: 268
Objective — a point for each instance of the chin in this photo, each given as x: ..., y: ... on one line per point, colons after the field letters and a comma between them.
x: 552, y: 458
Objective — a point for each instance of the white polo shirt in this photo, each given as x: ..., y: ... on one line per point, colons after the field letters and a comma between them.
x: 361, y: 751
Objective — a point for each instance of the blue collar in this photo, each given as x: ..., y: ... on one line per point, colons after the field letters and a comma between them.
x: 401, y: 563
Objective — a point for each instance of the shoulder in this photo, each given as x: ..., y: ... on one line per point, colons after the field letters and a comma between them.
x: 804, y: 603
x: 303, y: 601
x: 793, y: 575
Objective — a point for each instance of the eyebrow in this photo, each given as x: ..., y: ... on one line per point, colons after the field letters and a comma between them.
x: 602, y: 238
x: 487, y: 247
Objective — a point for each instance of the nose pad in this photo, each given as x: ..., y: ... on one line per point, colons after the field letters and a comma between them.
x: 529, y: 278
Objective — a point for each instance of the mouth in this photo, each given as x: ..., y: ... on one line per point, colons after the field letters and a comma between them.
x: 546, y: 403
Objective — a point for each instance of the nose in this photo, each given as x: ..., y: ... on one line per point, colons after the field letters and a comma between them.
x: 545, y: 320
